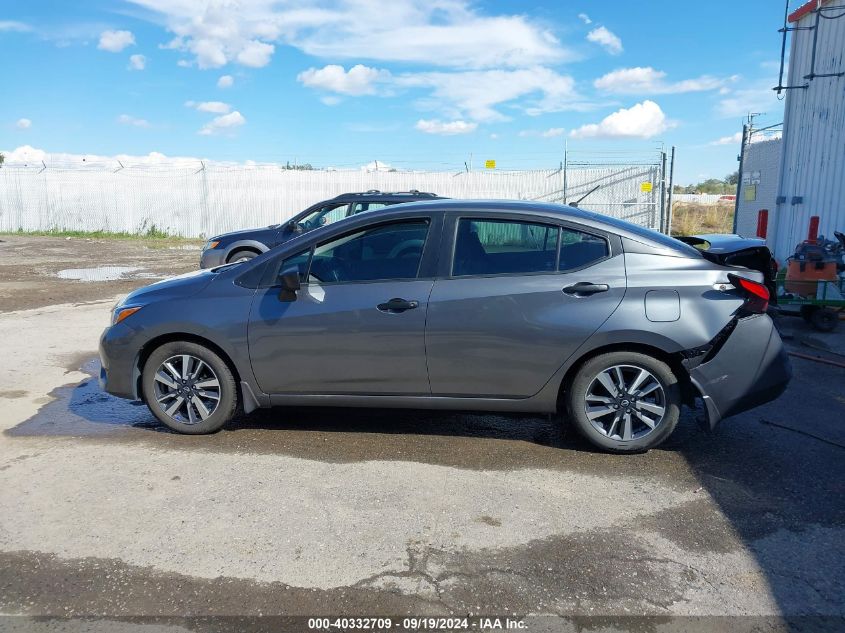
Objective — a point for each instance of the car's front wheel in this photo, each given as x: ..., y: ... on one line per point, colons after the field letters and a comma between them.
x: 243, y: 255
x: 625, y: 402
x: 189, y: 388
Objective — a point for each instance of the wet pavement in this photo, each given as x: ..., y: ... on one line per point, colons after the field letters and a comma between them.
x: 759, y: 509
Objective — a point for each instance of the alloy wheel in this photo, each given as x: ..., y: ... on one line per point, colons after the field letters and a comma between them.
x: 187, y: 389
x: 625, y: 402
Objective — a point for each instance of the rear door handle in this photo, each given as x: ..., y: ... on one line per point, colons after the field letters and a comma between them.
x: 398, y: 305
x: 585, y: 288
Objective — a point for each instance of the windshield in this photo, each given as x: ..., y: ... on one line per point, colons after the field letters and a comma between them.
x: 323, y: 216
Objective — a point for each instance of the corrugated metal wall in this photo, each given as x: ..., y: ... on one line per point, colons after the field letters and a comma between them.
x: 813, y: 160
x: 760, y: 167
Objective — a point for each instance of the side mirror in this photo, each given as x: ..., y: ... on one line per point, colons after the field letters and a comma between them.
x: 293, y: 227
x: 289, y: 280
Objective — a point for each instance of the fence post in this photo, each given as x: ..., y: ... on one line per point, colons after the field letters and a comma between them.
x: 671, y: 192
x: 662, y: 191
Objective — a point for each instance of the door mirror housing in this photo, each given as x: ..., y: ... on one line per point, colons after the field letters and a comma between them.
x: 289, y: 281
x: 293, y: 227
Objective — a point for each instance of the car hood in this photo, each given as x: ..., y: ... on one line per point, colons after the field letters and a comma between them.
x: 264, y: 233
x: 180, y: 286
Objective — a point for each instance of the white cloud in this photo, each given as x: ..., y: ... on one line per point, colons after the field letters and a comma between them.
x: 115, y: 41
x: 255, y: 54
x: 643, y: 120
x: 758, y: 98
x: 450, y: 128
x: 358, y: 80
x: 137, y: 62
x: 26, y: 154
x: 606, y: 39
x: 184, y: 63
x: 214, y: 107
x: 23, y: 124
x: 127, y: 119
x: 222, y: 123
x: 331, y: 100
x: 647, y: 80
x: 444, y: 32
x: 14, y: 26
x: 553, y: 132
x: 225, y: 81
x: 585, y: 18
x: 475, y: 94
x: 471, y: 94
x: 733, y: 139
x: 376, y: 165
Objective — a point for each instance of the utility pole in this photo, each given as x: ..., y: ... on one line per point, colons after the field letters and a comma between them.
x: 746, y: 130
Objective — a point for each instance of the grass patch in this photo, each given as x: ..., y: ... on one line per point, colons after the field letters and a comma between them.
x: 691, y: 219
x: 150, y: 234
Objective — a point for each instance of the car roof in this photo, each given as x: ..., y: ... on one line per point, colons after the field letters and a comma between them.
x: 375, y: 194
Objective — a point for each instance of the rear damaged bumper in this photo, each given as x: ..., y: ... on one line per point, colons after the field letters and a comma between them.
x: 750, y: 369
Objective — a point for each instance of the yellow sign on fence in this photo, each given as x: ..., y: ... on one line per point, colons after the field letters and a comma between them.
x: 490, y: 164
x: 645, y: 187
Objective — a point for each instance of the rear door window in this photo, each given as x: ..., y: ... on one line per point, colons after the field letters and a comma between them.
x: 579, y: 249
x: 496, y: 247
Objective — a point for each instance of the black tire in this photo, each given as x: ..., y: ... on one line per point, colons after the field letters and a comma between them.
x: 668, y: 397
x: 242, y: 254
x: 807, y: 313
x: 825, y: 320
x: 226, y: 405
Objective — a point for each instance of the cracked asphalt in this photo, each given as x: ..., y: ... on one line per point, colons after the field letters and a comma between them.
x: 105, y: 514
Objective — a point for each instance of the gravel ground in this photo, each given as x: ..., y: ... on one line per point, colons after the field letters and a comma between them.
x: 29, y: 267
x: 103, y: 513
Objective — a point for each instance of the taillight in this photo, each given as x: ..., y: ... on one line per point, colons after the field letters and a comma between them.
x: 756, y: 294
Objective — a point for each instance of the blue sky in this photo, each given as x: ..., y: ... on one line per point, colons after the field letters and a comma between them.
x: 412, y: 83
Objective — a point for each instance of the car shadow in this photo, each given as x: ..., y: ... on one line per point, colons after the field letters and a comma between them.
x: 475, y: 440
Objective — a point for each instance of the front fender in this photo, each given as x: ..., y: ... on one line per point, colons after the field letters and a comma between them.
x: 255, y: 245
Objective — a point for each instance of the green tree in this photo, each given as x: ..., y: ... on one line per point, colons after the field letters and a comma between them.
x: 2, y: 158
x: 732, y: 179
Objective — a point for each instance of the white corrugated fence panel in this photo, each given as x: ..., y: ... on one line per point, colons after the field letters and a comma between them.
x: 197, y: 202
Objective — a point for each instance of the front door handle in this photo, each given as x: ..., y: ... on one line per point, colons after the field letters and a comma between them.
x: 397, y: 305
x: 585, y: 288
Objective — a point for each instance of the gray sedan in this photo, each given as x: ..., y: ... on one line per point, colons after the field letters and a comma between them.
x: 473, y: 305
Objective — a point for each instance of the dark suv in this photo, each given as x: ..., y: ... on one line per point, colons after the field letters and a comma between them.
x: 240, y: 246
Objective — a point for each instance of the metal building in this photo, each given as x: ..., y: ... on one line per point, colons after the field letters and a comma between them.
x: 760, y: 180
x: 812, y: 161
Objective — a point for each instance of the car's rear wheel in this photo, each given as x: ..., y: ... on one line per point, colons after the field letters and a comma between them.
x: 824, y: 319
x: 625, y: 402
x: 243, y: 255
x: 189, y: 388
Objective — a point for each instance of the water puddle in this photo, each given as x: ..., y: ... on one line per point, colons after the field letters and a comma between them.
x: 106, y: 273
